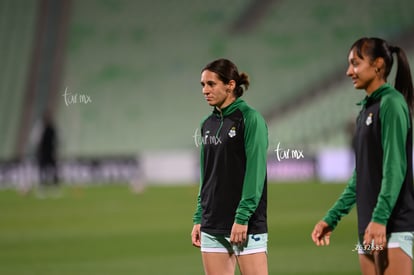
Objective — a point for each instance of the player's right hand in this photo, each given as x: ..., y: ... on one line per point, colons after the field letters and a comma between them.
x: 321, y: 234
x: 196, y: 235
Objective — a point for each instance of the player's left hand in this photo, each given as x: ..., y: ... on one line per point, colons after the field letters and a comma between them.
x: 238, y: 234
x: 375, y: 236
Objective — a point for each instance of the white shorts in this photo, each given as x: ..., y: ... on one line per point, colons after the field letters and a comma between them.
x: 403, y: 240
x: 255, y: 243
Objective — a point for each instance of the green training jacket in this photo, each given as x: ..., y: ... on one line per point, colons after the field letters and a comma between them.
x: 382, y: 182
x: 233, y: 181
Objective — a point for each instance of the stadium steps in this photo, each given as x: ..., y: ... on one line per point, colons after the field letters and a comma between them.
x: 142, y: 72
x: 323, y: 121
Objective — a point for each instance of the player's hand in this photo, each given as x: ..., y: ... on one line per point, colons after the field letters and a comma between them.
x: 375, y: 236
x: 196, y: 235
x: 321, y: 234
x: 238, y: 234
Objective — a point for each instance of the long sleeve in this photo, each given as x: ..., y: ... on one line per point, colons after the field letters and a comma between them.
x: 197, y: 214
x: 395, y: 124
x: 256, y: 144
x: 343, y: 205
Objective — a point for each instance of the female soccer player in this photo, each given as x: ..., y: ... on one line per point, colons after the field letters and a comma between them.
x: 382, y: 182
x: 230, y: 223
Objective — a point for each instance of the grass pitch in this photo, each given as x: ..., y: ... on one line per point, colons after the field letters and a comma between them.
x: 110, y: 230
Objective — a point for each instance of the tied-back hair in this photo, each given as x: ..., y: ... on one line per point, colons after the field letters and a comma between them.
x: 377, y: 47
x: 227, y: 71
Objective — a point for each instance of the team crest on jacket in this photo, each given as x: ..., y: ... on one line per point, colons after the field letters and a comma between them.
x: 232, y: 132
x: 369, y: 119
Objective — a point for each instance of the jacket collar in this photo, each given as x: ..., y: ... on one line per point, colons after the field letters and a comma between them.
x: 228, y: 109
x: 377, y: 94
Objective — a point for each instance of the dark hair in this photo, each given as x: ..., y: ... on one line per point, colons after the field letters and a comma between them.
x: 226, y: 71
x: 377, y: 47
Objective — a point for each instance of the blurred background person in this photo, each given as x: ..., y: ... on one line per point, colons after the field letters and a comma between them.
x: 47, y: 154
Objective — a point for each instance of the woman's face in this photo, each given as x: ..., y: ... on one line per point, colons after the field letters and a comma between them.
x: 362, y: 72
x: 215, y: 91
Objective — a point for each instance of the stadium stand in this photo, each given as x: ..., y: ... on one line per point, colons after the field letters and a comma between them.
x: 322, y: 121
x: 139, y: 64
x: 141, y: 73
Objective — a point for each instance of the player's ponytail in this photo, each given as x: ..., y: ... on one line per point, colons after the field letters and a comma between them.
x: 242, y: 81
x: 403, y: 79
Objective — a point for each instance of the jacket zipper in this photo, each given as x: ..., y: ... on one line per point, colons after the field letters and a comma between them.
x: 221, y: 124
